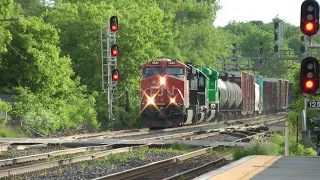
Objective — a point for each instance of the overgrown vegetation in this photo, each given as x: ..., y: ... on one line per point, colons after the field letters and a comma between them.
x: 274, y: 146
x: 12, y: 132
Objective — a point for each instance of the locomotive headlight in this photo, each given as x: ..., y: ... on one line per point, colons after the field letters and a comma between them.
x: 173, y: 100
x: 162, y: 80
x: 150, y: 100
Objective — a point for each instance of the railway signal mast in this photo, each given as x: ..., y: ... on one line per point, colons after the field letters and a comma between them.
x: 110, y: 73
x: 309, y: 72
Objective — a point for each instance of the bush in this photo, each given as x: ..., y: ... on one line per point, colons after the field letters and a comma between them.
x: 256, y: 148
x: 48, y: 114
x: 310, y: 152
x: 42, y: 121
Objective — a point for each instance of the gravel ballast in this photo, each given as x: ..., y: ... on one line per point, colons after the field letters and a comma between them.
x: 181, y: 167
x: 111, y: 164
x: 29, y: 151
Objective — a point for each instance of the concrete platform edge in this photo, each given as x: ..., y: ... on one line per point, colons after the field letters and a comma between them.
x: 224, y: 168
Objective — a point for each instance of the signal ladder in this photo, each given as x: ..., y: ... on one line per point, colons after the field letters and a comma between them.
x: 109, y: 63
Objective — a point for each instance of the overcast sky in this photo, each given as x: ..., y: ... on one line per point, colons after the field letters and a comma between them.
x: 264, y: 10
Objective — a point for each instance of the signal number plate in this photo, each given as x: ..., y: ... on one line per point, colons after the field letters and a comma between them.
x: 313, y: 104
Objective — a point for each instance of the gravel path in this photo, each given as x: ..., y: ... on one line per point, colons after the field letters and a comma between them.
x: 180, y: 167
x: 29, y: 151
x: 111, y: 164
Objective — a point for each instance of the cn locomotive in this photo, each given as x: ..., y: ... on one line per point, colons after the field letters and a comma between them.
x: 174, y: 94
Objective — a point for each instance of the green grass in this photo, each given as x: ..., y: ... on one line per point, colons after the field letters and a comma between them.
x: 12, y: 132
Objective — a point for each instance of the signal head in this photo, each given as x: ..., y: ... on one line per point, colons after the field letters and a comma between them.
x: 309, y: 21
x: 114, y: 50
x: 309, y: 75
x: 114, y: 23
x: 115, y: 75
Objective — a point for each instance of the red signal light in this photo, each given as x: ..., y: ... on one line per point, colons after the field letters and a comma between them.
x: 115, y: 75
x: 114, y: 27
x: 309, y: 84
x: 114, y: 50
x: 309, y: 27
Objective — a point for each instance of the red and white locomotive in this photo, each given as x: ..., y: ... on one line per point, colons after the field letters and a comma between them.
x: 163, y: 93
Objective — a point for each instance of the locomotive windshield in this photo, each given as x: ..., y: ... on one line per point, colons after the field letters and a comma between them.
x: 173, y: 71
x: 151, y: 71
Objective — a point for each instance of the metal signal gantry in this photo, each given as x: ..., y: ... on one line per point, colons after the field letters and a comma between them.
x: 109, y: 54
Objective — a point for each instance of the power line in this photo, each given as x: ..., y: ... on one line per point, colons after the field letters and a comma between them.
x: 15, y: 50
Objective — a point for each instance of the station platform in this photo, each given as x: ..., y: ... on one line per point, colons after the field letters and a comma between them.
x: 268, y: 168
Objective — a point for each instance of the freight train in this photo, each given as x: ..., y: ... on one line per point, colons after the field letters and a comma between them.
x: 174, y: 94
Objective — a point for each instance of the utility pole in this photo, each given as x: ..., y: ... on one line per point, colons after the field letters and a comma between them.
x: 110, y: 73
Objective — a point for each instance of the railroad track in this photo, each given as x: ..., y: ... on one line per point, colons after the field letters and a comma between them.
x: 195, y: 135
x: 160, y: 169
x: 188, y: 171
x: 202, y: 127
x: 153, y: 168
x: 105, y: 150
x: 135, y: 134
x: 144, y: 131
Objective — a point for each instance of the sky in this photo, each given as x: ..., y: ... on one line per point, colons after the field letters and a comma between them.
x: 264, y: 10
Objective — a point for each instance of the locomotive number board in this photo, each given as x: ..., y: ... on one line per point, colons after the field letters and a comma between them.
x: 313, y: 105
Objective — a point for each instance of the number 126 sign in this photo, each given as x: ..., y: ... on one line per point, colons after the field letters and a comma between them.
x: 313, y: 105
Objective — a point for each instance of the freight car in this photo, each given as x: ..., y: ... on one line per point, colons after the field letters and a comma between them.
x: 174, y: 93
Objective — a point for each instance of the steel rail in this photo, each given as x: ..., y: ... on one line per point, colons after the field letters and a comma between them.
x: 149, y: 168
x: 37, y: 157
x: 51, y: 164
x: 200, y: 170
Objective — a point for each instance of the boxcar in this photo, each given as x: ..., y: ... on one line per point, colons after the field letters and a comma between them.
x: 272, y: 96
x: 247, y: 84
x: 279, y: 93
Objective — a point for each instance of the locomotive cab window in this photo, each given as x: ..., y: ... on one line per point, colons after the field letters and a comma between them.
x: 151, y: 71
x: 176, y: 71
